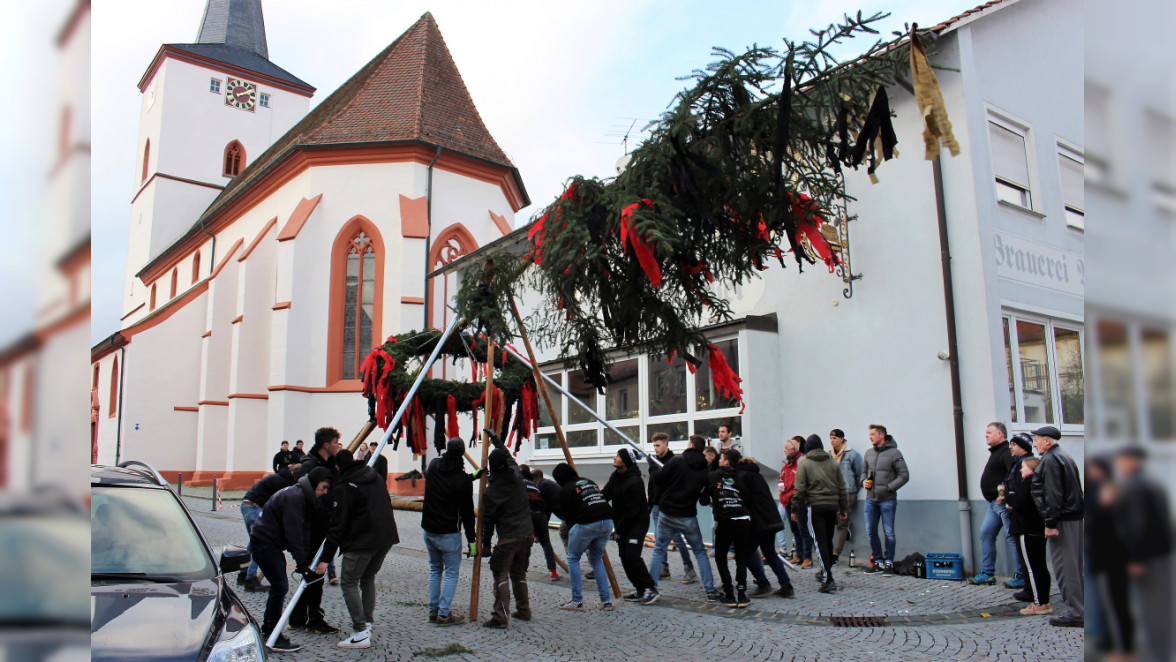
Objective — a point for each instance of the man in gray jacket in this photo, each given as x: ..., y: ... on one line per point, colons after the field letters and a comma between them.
x: 886, y: 471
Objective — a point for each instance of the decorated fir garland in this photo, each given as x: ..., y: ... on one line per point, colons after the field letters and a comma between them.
x: 386, y: 382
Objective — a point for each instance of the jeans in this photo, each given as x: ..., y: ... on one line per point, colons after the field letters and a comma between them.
x: 272, y: 562
x: 249, y: 513
x: 444, y: 557
x: 592, y: 538
x: 781, y: 536
x: 885, y: 510
x: 996, y: 517
x: 679, y: 541
x: 359, y: 584
x: 800, y: 535
x: 668, y: 527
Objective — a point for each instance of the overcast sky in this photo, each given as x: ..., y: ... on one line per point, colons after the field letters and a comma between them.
x: 557, y: 83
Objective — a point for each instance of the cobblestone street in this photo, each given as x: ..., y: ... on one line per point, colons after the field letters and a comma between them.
x: 928, y: 619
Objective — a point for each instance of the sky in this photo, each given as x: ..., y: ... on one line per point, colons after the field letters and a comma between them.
x: 558, y: 84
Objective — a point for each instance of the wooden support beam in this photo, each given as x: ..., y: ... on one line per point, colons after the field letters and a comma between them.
x: 489, y: 405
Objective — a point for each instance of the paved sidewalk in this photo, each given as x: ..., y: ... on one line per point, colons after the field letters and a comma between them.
x: 927, y: 619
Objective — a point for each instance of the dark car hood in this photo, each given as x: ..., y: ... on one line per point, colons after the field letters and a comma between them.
x: 151, y: 621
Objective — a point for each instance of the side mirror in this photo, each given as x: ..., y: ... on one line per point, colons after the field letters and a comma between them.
x: 233, y: 558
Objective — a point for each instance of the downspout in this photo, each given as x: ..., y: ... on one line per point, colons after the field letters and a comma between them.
x: 122, y: 372
x: 957, y: 402
x: 429, y: 232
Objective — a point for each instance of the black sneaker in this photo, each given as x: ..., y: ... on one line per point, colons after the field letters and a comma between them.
x: 255, y: 586
x: 888, y: 569
x: 321, y: 627
x: 241, y: 578
x: 785, y: 592
x: 1023, y: 596
x: 1067, y: 622
x: 729, y: 598
x: 873, y: 569
x: 282, y: 645
x: 741, y: 599
x: 494, y: 625
x: 712, y: 596
x: 650, y: 596
x: 828, y: 586
x: 836, y: 558
x: 635, y: 596
x: 296, y: 626
x: 761, y: 590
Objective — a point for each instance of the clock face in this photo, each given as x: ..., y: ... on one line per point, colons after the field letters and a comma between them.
x: 240, y: 94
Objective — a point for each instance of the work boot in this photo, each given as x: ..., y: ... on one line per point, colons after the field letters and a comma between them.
x: 729, y: 599
x: 689, y: 577
x: 828, y: 586
x: 741, y: 599
x: 785, y: 592
x: 762, y: 590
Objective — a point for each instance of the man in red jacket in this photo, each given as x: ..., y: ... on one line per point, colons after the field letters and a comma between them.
x: 792, y: 457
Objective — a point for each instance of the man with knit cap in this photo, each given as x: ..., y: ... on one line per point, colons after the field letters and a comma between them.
x: 820, y: 491
x: 507, y: 511
x: 1057, y: 491
x: 589, y: 518
x: 308, y: 613
x: 625, y: 491
x: 447, y: 509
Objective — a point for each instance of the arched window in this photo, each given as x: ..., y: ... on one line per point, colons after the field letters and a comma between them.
x: 196, y: 267
x: 175, y: 282
x: 97, y: 367
x: 450, y: 244
x: 146, y: 157
x: 112, y: 406
x: 357, y: 277
x: 152, y: 304
x: 234, y: 159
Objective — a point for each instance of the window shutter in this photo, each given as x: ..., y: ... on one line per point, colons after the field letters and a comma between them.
x: 1072, y: 187
x: 1009, y: 158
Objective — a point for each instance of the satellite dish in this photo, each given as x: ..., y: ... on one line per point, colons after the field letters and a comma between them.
x: 623, y: 163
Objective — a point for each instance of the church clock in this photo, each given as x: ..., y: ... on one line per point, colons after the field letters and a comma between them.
x: 240, y: 94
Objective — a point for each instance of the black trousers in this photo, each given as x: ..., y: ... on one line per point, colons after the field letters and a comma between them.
x: 822, y: 524
x: 1112, y: 595
x: 308, y: 609
x: 1032, y: 551
x: 543, y: 536
x: 737, y: 532
x: 635, y: 568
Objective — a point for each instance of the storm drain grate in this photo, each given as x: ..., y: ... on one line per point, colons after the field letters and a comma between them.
x: 859, y: 621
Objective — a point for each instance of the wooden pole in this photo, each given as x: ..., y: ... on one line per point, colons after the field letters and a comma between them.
x: 563, y: 442
x: 489, y: 405
x: 363, y: 434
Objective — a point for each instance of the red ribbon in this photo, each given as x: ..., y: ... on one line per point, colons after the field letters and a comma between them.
x: 809, y: 222
x: 376, y: 382
x: 641, y: 248
x: 451, y: 419
x: 725, y: 379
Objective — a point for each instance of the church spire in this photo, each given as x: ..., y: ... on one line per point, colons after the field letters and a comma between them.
x: 236, y: 23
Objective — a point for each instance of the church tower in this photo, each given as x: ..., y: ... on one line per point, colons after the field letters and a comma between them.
x: 206, y: 109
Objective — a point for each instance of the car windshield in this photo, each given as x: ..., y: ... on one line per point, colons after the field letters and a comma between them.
x: 144, y: 532
x: 46, y: 582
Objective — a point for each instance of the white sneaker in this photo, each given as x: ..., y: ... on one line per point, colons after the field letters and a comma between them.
x: 361, y: 639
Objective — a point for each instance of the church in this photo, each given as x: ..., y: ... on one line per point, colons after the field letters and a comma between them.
x: 272, y: 246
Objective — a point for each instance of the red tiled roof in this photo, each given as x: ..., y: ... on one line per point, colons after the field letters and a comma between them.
x: 960, y: 17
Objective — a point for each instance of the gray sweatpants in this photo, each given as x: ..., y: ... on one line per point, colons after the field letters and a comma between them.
x: 359, y: 584
x: 1065, y: 552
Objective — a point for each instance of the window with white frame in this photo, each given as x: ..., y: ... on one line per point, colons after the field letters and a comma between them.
x: 1043, y: 359
x: 1070, y: 167
x: 1010, y: 162
x: 214, y: 85
x: 264, y: 100
x: 645, y: 395
x: 1134, y: 390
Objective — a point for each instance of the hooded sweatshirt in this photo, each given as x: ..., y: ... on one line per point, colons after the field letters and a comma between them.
x: 724, y: 493
x: 680, y: 483
x: 449, y: 495
x: 265, y: 488
x: 818, y: 480
x: 361, y: 513
x: 285, y: 520
x: 757, y: 498
x: 580, y: 500
x: 508, y: 510
x: 888, y: 469
x: 627, y: 494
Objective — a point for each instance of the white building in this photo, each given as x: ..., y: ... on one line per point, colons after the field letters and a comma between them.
x: 271, y: 248
x: 817, y: 353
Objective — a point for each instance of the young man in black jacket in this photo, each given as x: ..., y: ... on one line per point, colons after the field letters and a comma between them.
x: 308, y: 612
x: 508, y: 512
x: 251, y: 505
x: 589, y: 517
x: 626, y: 492
x: 363, y: 527
x: 447, y: 509
x: 765, y: 523
x: 661, y: 449
x: 679, y: 484
x: 540, y: 516
x: 283, y: 458
x: 284, y: 524
x: 724, y: 492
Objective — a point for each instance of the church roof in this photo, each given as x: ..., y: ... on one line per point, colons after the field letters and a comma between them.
x: 237, y: 57
x: 236, y: 23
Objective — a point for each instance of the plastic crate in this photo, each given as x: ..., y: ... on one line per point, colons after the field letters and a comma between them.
x: 945, y: 566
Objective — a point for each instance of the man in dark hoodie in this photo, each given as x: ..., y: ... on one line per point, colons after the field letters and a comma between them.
x: 283, y: 458
x: 679, y: 485
x: 886, y: 472
x: 447, y: 509
x: 549, y: 493
x: 625, y: 491
x: 284, y: 524
x: 724, y: 492
x: 661, y: 449
x: 820, y: 492
x: 308, y: 612
x: 363, y: 527
x: 508, y: 512
x: 765, y: 522
x: 1000, y: 460
x: 540, y: 516
x: 251, y: 504
x: 589, y: 517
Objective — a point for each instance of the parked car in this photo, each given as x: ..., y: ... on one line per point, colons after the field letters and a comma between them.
x: 158, y: 592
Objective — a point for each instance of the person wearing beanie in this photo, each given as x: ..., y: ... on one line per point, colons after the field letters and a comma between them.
x: 507, y: 512
x: 589, y: 519
x: 765, y: 523
x: 284, y: 525
x: 886, y: 472
x: 308, y: 613
x: 251, y: 504
x: 540, y: 516
x: 363, y: 527
x: 626, y: 492
x: 850, y: 463
x: 1020, y: 449
x: 724, y: 491
x: 1028, y: 529
x: 820, y: 493
x: 448, y: 508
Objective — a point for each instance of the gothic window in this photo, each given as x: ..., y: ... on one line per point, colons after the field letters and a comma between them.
x: 152, y: 304
x: 175, y: 282
x: 146, y: 156
x: 196, y: 268
x: 112, y: 404
x: 234, y: 159
x: 356, y: 284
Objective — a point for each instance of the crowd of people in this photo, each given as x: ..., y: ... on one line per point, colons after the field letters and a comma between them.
x: 330, y: 496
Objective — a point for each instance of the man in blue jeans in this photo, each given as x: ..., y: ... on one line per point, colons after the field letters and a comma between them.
x: 679, y: 485
x: 1000, y: 460
x: 448, y: 508
x: 251, y: 505
x: 661, y: 448
x: 886, y: 471
x: 584, y: 508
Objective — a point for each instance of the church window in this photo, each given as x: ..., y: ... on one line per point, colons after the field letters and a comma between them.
x: 264, y: 101
x: 357, y: 266
x: 214, y: 86
x: 152, y: 304
x: 234, y: 159
x: 146, y: 156
x: 196, y: 267
x: 112, y: 404
x: 175, y: 282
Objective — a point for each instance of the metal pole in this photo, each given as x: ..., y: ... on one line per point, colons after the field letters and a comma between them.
x: 371, y: 461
